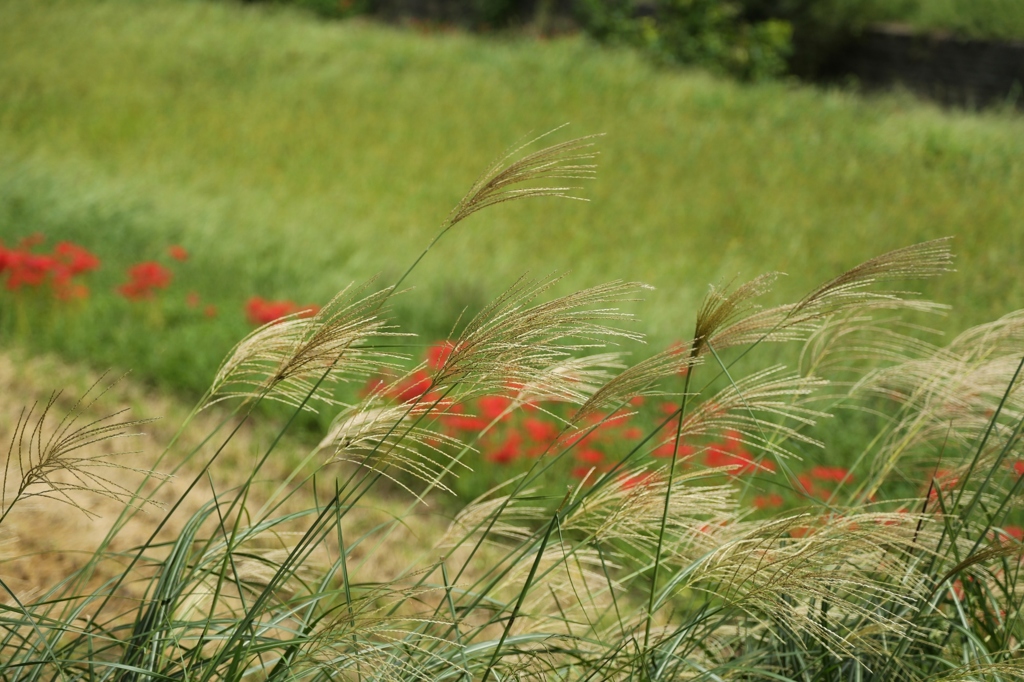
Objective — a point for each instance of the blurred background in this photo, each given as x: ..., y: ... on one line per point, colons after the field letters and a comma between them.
x: 216, y: 159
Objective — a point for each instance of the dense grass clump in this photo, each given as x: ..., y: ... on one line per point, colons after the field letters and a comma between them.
x: 633, y: 572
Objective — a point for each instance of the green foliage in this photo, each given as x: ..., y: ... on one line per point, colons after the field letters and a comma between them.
x: 280, y: 151
x: 714, y: 34
x: 822, y: 28
x: 639, y: 572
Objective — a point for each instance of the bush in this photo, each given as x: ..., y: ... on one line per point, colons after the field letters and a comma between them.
x: 711, y: 33
x: 823, y: 28
x: 636, y: 571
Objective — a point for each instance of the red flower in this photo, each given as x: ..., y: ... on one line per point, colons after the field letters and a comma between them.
x: 540, y: 430
x: 75, y: 258
x: 1018, y: 467
x: 439, y: 353
x: 495, y: 406
x: 590, y: 456
x: 836, y: 474
x: 261, y: 311
x: 412, y: 388
x: 666, y: 448
x: 731, y: 454
x: 144, y: 278
x: 458, y: 421
x: 177, y: 253
x: 508, y: 451
x: 210, y: 311
x: 773, y: 501
x: 192, y: 299
x: 807, y: 483
x: 27, y: 269
x: 581, y: 472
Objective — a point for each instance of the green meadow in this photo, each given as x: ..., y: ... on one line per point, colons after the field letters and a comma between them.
x: 291, y: 156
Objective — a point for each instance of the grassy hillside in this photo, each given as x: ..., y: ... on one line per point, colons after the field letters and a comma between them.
x: 290, y: 157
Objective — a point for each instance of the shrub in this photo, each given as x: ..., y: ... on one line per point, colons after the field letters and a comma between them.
x: 640, y: 570
x: 712, y: 33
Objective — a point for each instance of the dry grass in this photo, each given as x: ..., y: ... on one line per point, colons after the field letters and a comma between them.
x: 44, y: 540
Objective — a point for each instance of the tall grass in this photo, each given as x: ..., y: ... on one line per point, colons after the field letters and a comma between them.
x: 281, y: 152
x: 636, y: 572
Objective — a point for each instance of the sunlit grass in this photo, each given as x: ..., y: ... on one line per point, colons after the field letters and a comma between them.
x: 291, y: 156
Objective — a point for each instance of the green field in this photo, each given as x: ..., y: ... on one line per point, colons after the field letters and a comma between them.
x: 291, y: 156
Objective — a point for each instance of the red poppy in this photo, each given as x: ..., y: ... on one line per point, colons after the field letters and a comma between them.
x: 773, y: 501
x: 457, y: 421
x: 144, y: 279
x: 581, y: 472
x: 666, y: 449
x: 730, y: 455
x: 439, y: 353
x: 807, y: 483
x: 27, y: 269
x: 260, y: 311
x: 539, y: 430
x: 177, y: 253
x: 508, y: 451
x: 495, y: 406
x: 192, y: 299
x: 412, y: 388
x: 834, y: 474
x: 210, y: 311
x: 590, y: 456
x: 75, y: 258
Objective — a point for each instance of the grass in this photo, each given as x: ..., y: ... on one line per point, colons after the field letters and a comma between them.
x: 638, y: 572
x: 283, y: 152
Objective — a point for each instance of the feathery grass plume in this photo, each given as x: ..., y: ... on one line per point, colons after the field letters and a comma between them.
x: 562, y: 161
x: 381, y: 436
x: 513, y: 342
x: 508, y: 344
x: 573, y: 380
x: 752, y: 406
x: 626, y: 516
x: 721, y: 307
x: 638, y: 380
x: 770, y: 580
x: 295, y: 360
x: 950, y: 396
x: 841, y: 345
x: 516, y: 522
x: 848, y: 291
x: 50, y: 466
